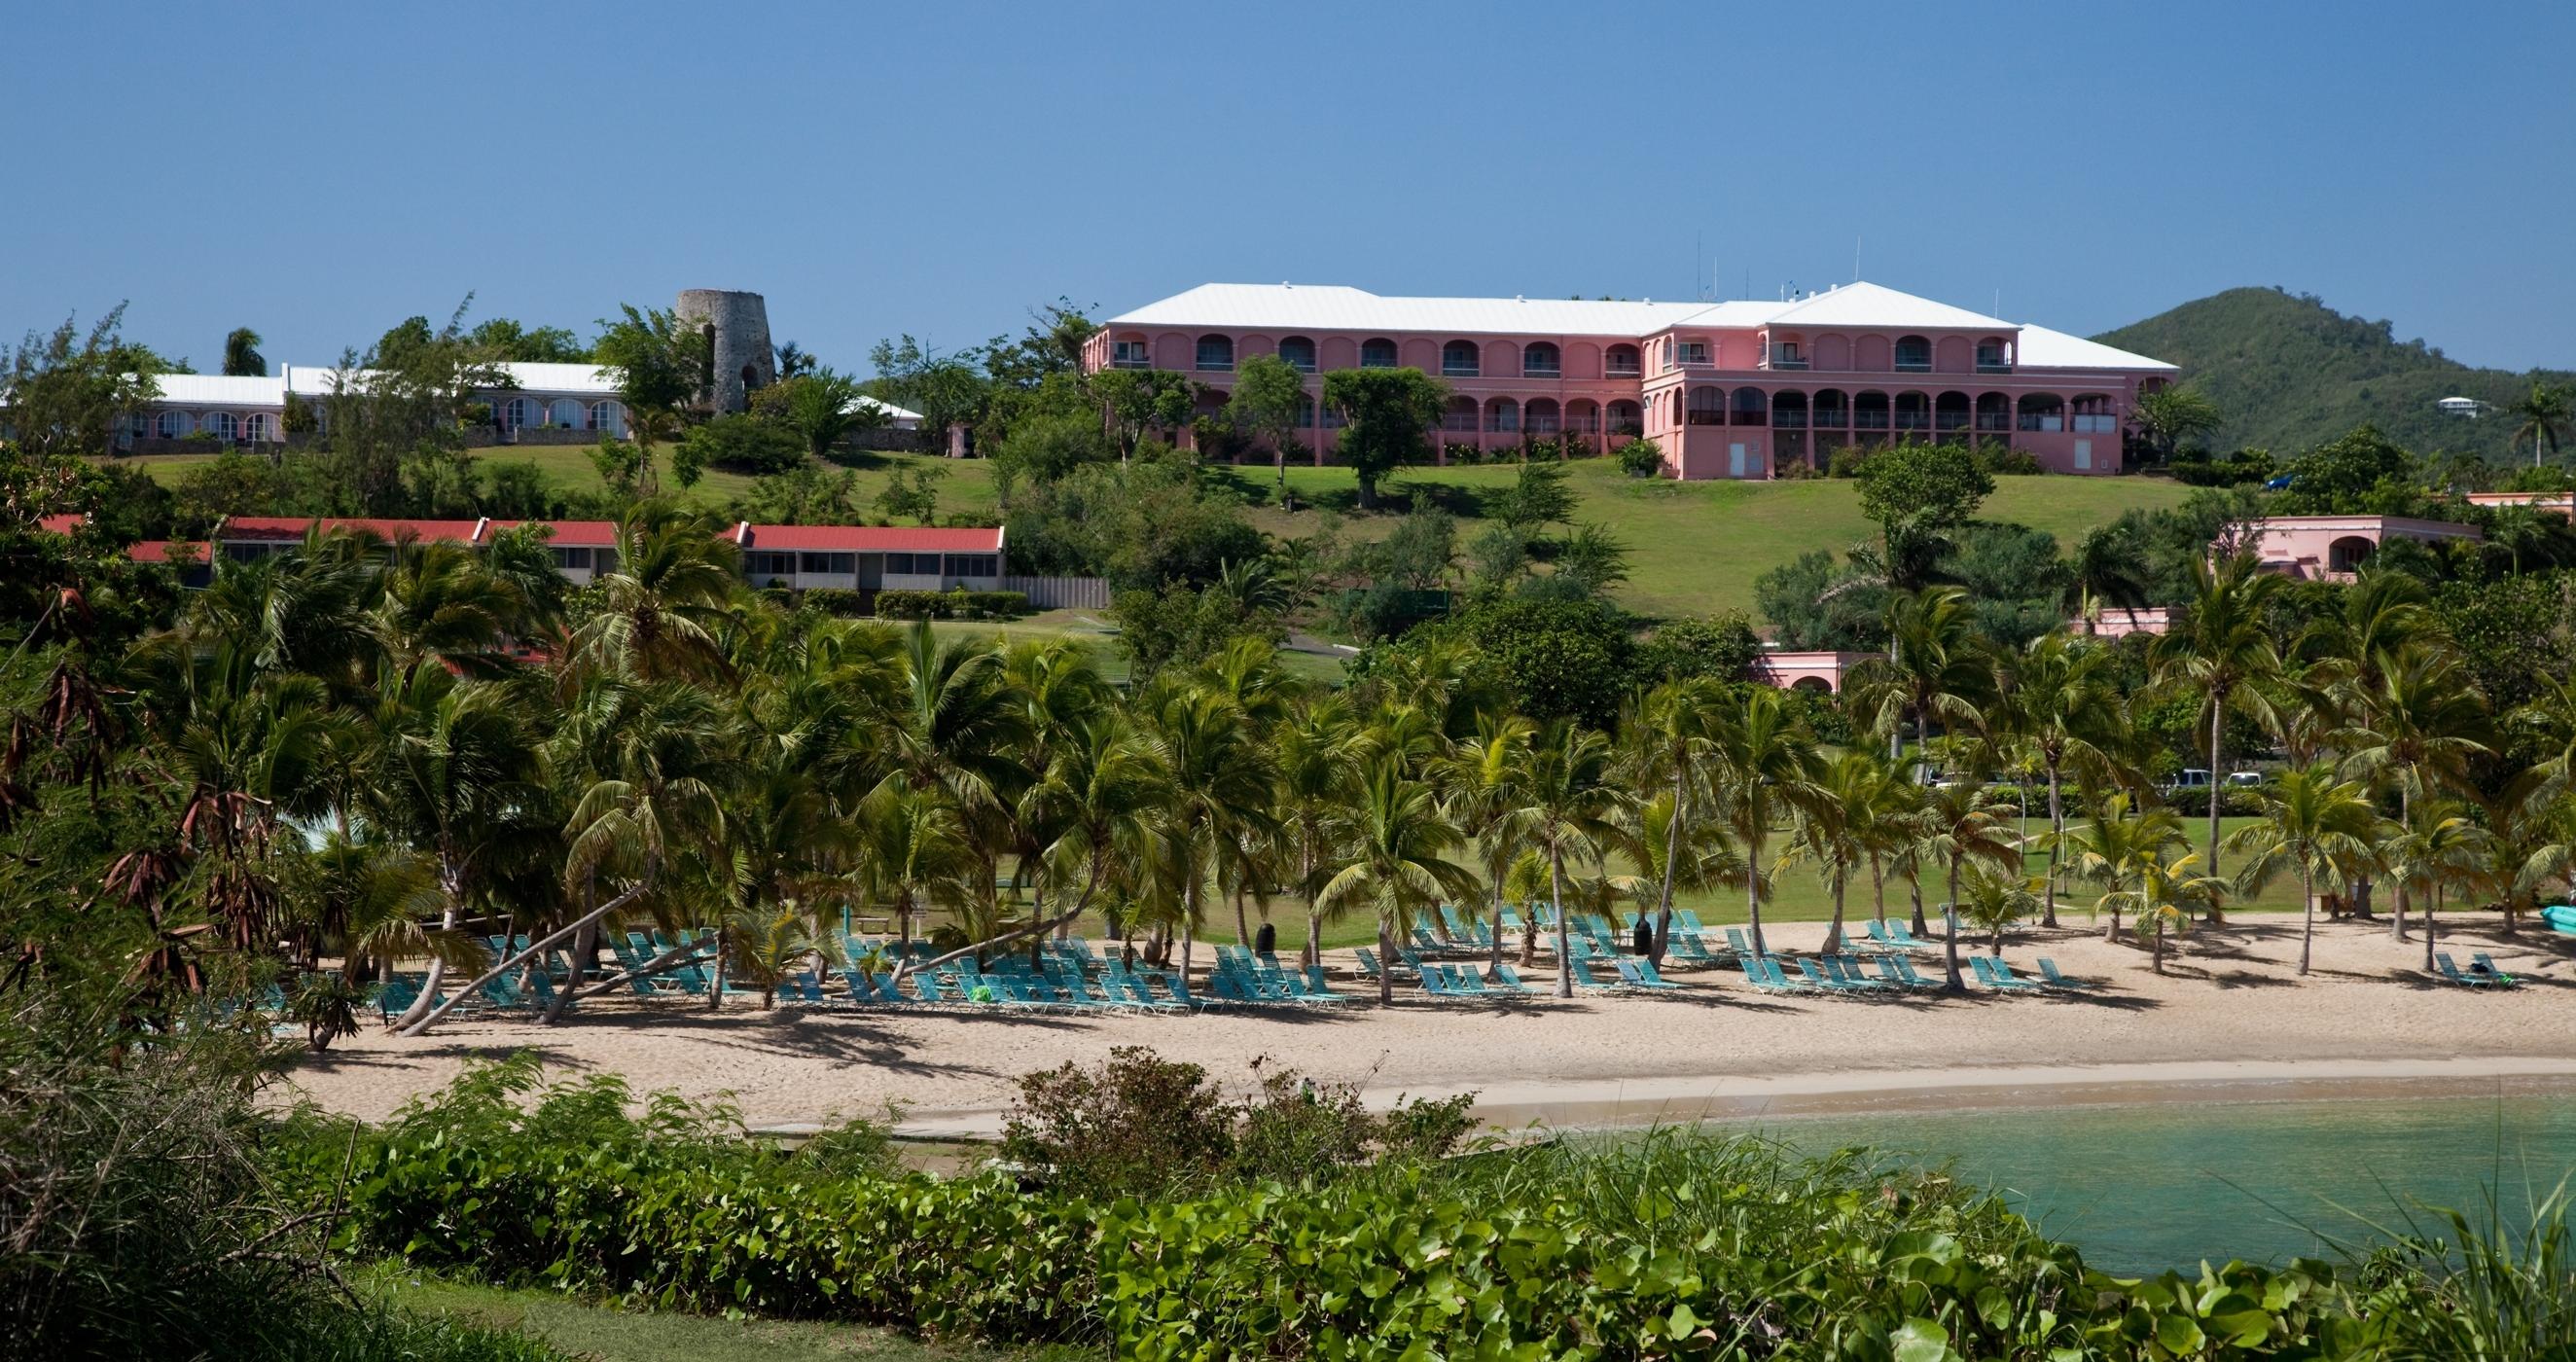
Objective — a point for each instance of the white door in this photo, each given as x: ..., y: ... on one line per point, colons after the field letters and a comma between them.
x: 1735, y: 460
x: 2084, y: 456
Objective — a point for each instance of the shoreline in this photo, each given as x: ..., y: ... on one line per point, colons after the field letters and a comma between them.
x: 1636, y: 1103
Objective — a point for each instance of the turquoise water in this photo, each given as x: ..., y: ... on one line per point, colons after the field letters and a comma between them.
x: 2147, y: 1187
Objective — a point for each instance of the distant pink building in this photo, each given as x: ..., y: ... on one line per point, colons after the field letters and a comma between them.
x: 2560, y: 502
x: 2120, y: 621
x: 1729, y: 390
x: 2333, y: 547
x: 1808, y: 669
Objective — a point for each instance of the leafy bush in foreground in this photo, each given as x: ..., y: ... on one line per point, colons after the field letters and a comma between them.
x: 1679, y: 1244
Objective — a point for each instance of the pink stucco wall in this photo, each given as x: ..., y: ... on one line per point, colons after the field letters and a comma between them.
x: 1794, y: 669
x: 2330, y: 547
x: 1739, y: 412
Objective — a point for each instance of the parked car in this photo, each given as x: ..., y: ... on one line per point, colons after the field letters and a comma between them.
x: 2189, y: 778
x: 2245, y: 780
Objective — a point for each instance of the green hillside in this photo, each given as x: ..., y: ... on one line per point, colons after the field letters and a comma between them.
x: 2290, y: 372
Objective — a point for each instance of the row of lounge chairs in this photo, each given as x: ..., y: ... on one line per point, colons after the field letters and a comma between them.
x: 1845, y: 974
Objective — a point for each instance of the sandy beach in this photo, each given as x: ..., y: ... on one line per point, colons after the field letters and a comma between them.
x: 2229, y: 1019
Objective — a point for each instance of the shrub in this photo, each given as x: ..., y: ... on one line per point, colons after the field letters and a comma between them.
x: 1640, y: 458
x: 1460, y: 452
x: 914, y: 605
x: 835, y: 600
x: 1846, y: 461
x: 2011, y: 462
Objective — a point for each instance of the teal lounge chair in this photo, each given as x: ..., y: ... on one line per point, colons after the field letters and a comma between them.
x: 1368, y: 962
x: 1817, y: 978
x: 2453, y: 973
x: 1508, y: 980
x: 1848, y: 970
x: 1904, y: 936
x: 1754, y: 975
x: 2050, y: 975
x: 2003, y: 971
x: 1465, y: 982
x: 1992, y: 978
x: 1635, y: 971
x: 1735, y: 942
x: 1770, y: 967
x: 1320, y: 987
x: 1890, y: 973
x: 1584, y: 977
x: 1687, y: 946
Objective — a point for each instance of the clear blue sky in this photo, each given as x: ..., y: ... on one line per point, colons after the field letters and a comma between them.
x: 319, y: 172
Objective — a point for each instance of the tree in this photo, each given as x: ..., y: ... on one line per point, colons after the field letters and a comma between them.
x: 660, y: 365
x: 2109, y: 568
x: 1140, y: 401
x: 241, y: 354
x: 2438, y: 848
x: 2168, y: 889
x: 500, y: 338
x: 2112, y: 848
x: 660, y: 610
x: 944, y: 388
x: 1221, y: 791
x: 1270, y: 404
x: 1568, y: 811
x: 1961, y: 823
x: 1764, y: 764
x: 819, y: 405
x: 68, y: 391
x: 745, y: 443
x: 1847, y: 820
x: 2542, y: 415
x: 1674, y: 728
x: 2222, y: 649
x: 1394, y: 863
x: 1936, y: 670
x: 2058, y: 699
x: 1538, y: 496
x: 916, y: 496
x: 1385, y: 413
x: 1919, y: 495
x: 2314, y: 826
x: 2421, y: 725
x: 795, y: 361
x: 2169, y: 418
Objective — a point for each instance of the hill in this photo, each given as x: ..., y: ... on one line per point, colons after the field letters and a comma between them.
x: 2290, y: 372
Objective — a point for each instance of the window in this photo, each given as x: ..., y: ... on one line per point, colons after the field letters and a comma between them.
x: 139, y: 424
x: 1626, y: 418
x: 973, y: 564
x: 1993, y: 356
x: 1458, y: 359
x: 763, y: 566
x: 1129, y: 354
x: 1299, y: 352
x: 1377, y: 354
x: 1694, y: 352
x: 518, y: 412
x: 1620, y: 361
x: 1913, y: 354
x: 223, y: 425
x: 608, y: 418
x: 1707, y: 407
x: 1216, y: 352
x: 1503, y: 415
x: 912, y: 564
x: 1786, y: 355
x: 255, y: 428
x: 570, y: 559
x: 565, y: 413
x: 841, y: 564
x: 173, y: 424
x: 1539, y: 361
x: 1305, y: 411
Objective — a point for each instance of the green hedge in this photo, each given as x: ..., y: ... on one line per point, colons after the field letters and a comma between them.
x: 960, y: 604
x: 1695, y: 1246
x: 836, y: 600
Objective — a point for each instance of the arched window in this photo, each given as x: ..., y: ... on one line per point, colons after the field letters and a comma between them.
x: 1620, y: 361
x: 2044, y: 412
x: 223, y: 425
x: 1216, y: 352
x: 1950, y: 412
x: 1913, y: 411
x: 1869, y: 411
x: 1130, y: 352
x: 1305, y: 411
x: 518, y: 412
x: 1458, y: 359
x: 608, y: 418
x: 1377, y: 352
x: 2093, y: 416
x: 1751, y: 408
x: 1994, y: 355
x: 1625, y: 418
x: 173, y: 424
x: 1832, y: 410
x: 1299, y: 352
x: 1789, y: 411
x: 1707, y: 406
x: 2348, y: 553
x: 1583, y: 417
x: 1460, y: 418
x: 1540, y: 417
x: 1913, y: 355
x: 1503, y: 415
x: 255, y: 428
x: 564, y: 412
x: 1539, y: 360
x: 1994, y: 412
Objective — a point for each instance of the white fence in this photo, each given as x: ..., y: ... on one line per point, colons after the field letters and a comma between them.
x: 1061, y: 593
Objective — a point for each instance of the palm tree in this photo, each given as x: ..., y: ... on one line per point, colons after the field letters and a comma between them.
x: 2059, y: 701
x: 663, y: 605
x: 2222, y: 648
x: 2541, y: 415
x: 2437, y: 848
x: 1314, y: 748
x: 1963, y: 824
x: 2167, y: 890
x: 2108, y: 568
x: 2112, y: 848
x: 2421, y: 724
x: 1673, y: 729
x: 1394, y: 838
x: 1992, y: 903
x: 2314, y: 826
x: 1936, y: 669
x: 1840, y: 826
x: 1568, y: 809
x: 1765, y: 765
x: 1221, y: 788
x: 913, y: 852
x: 1483, y: 775
x: 2168, y: 418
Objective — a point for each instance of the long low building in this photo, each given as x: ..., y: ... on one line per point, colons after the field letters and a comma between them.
x: 1727, y: 389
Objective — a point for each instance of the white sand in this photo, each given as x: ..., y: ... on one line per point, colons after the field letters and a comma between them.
x: 2230, y: 1010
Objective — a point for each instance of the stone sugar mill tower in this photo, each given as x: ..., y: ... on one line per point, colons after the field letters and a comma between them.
x: 737, y: 329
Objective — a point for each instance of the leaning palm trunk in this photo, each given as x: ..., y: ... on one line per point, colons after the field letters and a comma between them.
x: 1753, y: 897
x: 2307, y: 918
x: 716, y: 982
x: 1672, y: 854
x: 2397, y: 915
x: 1386, y: 958
x: 1035, y: 927
x: 534, y: 950
x: 2057, y: 835
x: 1834, y: 930
x: 1950, y: 934
x: 2432, y: 904
x: 2217, y: 767
x: 451, y: 888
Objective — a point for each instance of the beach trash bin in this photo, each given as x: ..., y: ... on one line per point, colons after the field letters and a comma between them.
x: 1643, y: 943
x: 1266, y: 941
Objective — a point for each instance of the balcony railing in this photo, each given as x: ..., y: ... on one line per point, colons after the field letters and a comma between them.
x: 2097, y: 424
x: 1993, y: 422
x: 1949, y: 420
x: 1542, y: 425
x: 1788, y: 420
x: 1707, y: 418
x: 1913, y: 420
x: 1541, y: 371
x: 1458, y: 370
x: 1907, y: 365
x: 1870, y: 420
x: 1993, y: 366
x: 1582, y: 425
x: 1210, y: 365
x: 2045, y: 424
x: 1131, y: 362
x: 1459, y: 422
x: 1691, y: 354
x: 1831, y: 418
x: 1630, y: 370
x: 1778, y: 358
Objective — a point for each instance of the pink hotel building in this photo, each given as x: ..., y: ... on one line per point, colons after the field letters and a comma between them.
x: 1729, y: 390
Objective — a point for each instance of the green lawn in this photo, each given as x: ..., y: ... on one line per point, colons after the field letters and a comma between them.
x: 1694, y: 548
x: 607, y: 1334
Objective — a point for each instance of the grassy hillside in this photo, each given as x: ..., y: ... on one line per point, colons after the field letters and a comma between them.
x: 1693, y: 548
x: 2290, y: 372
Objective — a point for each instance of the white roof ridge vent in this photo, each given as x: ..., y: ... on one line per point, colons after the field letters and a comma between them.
x: 1519, y: 299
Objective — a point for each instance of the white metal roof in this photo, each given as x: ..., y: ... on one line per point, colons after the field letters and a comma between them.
x: 1338, y: 307
x: 2042, y: 348
x: 562, y: 378
x: 218, y: 390
x: 888, y: 409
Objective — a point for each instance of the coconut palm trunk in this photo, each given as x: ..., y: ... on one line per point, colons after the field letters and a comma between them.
x: 1753, y: 897
x: 451, y: 888
x: 1386, y: 958
x: 2307, y: 917
x: 1950, y: 934
x: 1834, y: 929
x: 1564, y: 948
x: 2057, y: 835
x: 2217, y: 736
x: 1672, y: 856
